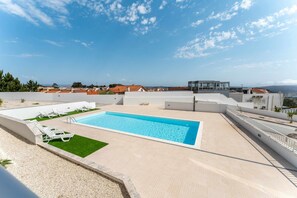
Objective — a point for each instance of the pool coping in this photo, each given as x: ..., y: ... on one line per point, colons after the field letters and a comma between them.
x: 97, y: 168
x: 195, y: 146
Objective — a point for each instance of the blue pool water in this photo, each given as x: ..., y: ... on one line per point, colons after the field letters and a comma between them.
x: 174, y: 130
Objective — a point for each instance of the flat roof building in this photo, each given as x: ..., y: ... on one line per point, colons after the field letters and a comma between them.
x: 209, y: 86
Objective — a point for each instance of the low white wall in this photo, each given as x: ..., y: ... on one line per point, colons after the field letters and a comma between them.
x: 62, y: 97
x: 268, y: 113
x: 157, y: 98
x: 199, y: 106
x: 221, y: 99
x: 26, y: 95
x: 100, y: 99
x: 32, y: 112
x: 210, y: 107
x: 183, y: 106
x: 22, y: 128
x: 277, y: 147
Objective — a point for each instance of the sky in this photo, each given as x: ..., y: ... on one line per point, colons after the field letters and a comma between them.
x: 150, y: 42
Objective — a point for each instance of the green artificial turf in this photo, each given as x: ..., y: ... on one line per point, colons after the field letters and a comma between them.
x: 68, y: 114
x: 79, y: 145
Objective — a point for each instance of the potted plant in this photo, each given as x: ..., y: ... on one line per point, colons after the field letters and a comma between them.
x: 290, y: 116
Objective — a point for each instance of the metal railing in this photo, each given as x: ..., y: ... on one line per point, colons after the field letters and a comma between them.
x: 289, y: 110
x: 271, y: 133
x: 70, y: 119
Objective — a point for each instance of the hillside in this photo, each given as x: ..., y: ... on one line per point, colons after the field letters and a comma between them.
x: 288, y: 90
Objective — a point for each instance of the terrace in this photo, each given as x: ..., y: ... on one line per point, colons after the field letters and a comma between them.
x: 229, y: 162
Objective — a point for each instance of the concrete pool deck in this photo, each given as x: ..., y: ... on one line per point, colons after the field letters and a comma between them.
x: 227, y: 165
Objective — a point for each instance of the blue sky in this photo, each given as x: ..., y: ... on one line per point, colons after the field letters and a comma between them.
x: 150, y: 42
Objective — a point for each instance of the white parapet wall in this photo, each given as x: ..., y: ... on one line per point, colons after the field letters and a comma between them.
x: 210, y: 107
x: 32, y: 112
x: 221, y: 99
x: 62, y: 97
x: 266, y: 139
x: 183, y: 106
x: 199, y: 106
x: 273, y: 114
x: 157, y: 98
x: 24, y: 129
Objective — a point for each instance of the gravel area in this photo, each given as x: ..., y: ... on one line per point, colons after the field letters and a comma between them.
x: 51, y: 176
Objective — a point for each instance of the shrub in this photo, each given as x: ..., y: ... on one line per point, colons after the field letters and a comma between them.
x: 22, y: 100
x: 5, y: 162
x: 1, y: 102
x: 290, y: 116
x: 277, y: 109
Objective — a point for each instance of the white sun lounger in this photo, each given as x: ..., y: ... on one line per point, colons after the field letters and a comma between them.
x: 53, y: 134
x: 46, y: 115
x: 59, y: 113
x: 82, y: 109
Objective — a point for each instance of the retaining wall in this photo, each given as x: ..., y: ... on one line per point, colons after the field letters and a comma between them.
x: 22, y: 128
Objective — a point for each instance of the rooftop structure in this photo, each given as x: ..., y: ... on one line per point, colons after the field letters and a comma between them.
x: 209, y: 86
x: 227, y: 154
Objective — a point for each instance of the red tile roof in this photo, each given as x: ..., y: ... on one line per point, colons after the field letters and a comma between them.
x: 92, y: 92
x: 259, y: 91
x: 124, y: 88
x: 52, y: 91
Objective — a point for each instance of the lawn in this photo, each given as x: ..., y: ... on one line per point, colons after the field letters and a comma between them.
x: 68, y: 114
x: 79, y: 145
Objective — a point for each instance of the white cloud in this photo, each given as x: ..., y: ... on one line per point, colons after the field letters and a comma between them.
x: 142, y: 9
x: 246, y: 4
x: 25, y: 55
x: 211, y: 42
x: 197, y: 23
x: 204, y: 46
x: 84, y: 43
x: 53, y: 43
x: 215, y: 27
x: 163, y: 4
x: 231, y: 12
x: 53, y: 12
x: 15, y: 40
x: 12, y: 8
x: 182, y: 4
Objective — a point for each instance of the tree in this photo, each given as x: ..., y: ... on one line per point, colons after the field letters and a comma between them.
x: 114, y: 85
x: 55, y: 85
x: 92, y: 86
x: 32, y: 85
x: 77, y: 85
x: 290, y: 102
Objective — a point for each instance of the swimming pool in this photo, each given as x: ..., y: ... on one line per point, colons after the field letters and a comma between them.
x: 157, y: 128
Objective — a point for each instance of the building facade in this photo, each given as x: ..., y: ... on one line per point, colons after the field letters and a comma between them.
x: 261, y: 98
